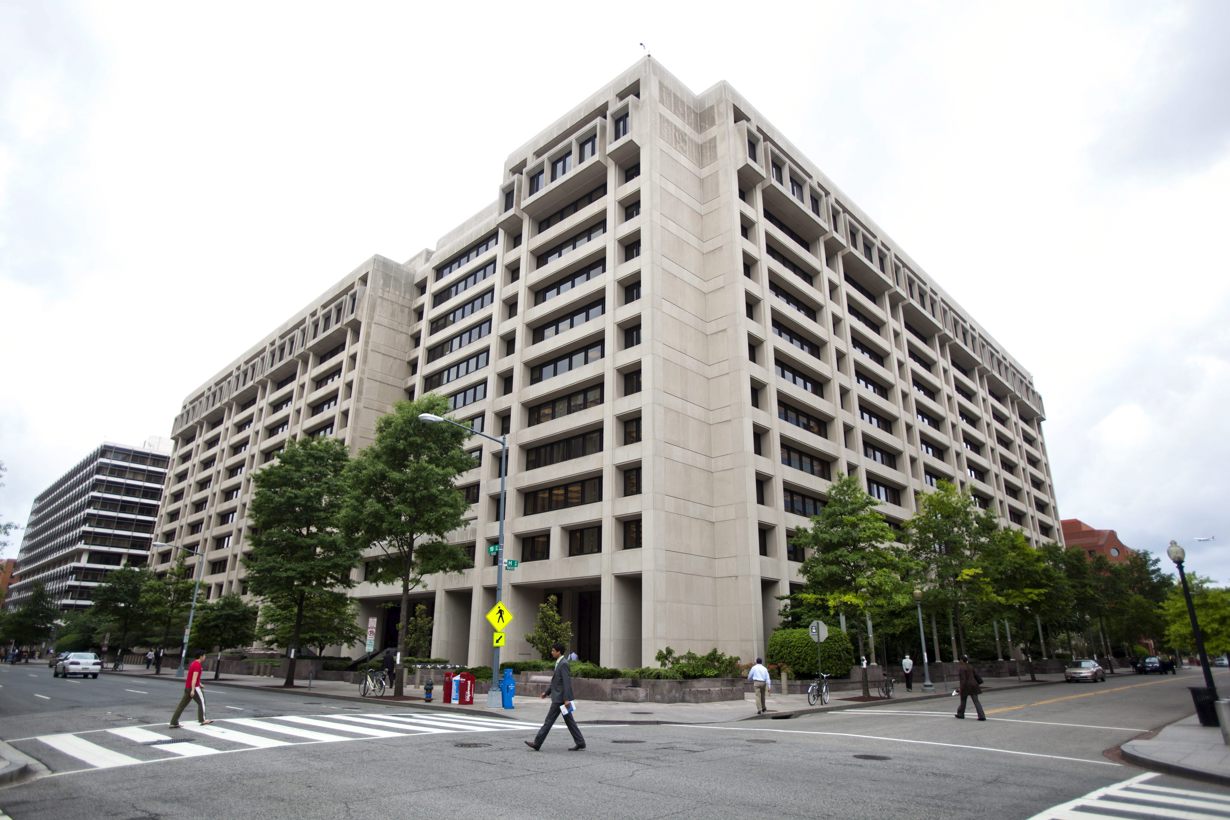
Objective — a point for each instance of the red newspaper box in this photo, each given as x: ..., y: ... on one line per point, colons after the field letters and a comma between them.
x: 447, y: 694
x: 466, y: 691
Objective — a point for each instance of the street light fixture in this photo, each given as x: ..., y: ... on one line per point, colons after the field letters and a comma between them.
x: 196, y: 588
x: 927, y: 686
x: 493, y: 694
x: 1178, y: 555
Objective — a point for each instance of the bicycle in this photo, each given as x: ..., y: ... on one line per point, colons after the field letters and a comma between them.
x: 373, y: 681
x: 818, y: 690
x: 885, y: 686
x: 118, y: 664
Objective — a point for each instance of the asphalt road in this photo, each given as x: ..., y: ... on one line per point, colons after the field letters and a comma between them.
x: 108, y: 754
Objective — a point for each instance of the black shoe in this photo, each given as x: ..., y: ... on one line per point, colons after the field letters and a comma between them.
x: 530, y: 743
x: 982, y: 718
x: 958, y: 717
x: 579, y: 748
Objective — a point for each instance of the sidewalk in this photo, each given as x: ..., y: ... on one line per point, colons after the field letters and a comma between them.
x: 1183, y: 748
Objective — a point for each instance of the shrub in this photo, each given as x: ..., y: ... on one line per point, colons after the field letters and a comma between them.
x: 528, y: 666
x: 648, y: 673
x: 585, y: 669
x: 794, y: 649
x: 689, y: 665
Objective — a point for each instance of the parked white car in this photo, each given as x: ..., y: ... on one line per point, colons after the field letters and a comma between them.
x: 77, y: 663
x: 1084, y: 670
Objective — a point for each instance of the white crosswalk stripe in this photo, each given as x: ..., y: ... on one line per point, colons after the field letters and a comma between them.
x: 1138, y: 797
x: 133, y: 745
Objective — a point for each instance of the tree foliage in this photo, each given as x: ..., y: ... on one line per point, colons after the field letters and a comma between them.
x: 165, y: 602
x: 418, y: 633
x: 119, y: 602
x: 35, y: 620
x: 330, y: 617
x: 402, y: 501
x: 549, y: 628
x: 1212, y: 607
x: 297, y: 549
x: 7, y: 528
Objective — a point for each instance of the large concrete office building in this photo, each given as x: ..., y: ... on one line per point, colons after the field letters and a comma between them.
x: 97, y: 517
x: 686, y: 330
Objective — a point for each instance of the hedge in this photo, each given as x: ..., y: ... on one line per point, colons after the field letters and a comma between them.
x: 795, y: 649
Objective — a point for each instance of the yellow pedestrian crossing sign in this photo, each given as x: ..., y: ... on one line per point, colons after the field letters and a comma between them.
x: 499, y: 617
x: 497, y: 639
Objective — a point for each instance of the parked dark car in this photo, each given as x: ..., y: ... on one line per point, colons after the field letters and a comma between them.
x: 1152, y: 664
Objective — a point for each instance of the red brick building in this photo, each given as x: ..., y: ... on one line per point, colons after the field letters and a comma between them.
x: 1078, y: 534
x: 7, y: 566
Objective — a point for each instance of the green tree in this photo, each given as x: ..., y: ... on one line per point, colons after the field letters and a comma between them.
x: 78, y: 632
x: 402, y: 502
x: 853, y: 561
x: 549, y: 628
x: 330, y: 617
x: 119, y: 601
x: 1212, y: 607
x: 418, y: 632
x: 297, y: 549
x: 35, y: 620
x: 165, y: 602
x: 223, y: 624
x: 945, y: 537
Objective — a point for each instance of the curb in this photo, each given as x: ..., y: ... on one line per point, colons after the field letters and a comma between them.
x: 16, y: 766
x: 1155, y: 765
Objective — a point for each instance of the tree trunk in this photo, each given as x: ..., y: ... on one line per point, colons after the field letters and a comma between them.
x: 399, y: 677
x: 952, y: 634
x: 1041, y: 637
x: 294, y: 643
x: 999, y: 652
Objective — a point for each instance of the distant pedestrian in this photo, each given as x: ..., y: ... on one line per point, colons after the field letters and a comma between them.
x: 192, y: 692
x: 759, y: 676
x: 907, y: 672
x: 572, y: 656
x: 560, y: 691
x: 158, y: 661
x: 149, y: 659
x: 969, y: 686
x: 390, y: 667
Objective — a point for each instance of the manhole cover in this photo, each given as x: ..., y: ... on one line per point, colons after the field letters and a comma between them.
x: 872, y: 757
x: 171, y: 740
x: 627, y: 741
x: 471, y: 745
x: 760, y: 740
x: 640, y: 713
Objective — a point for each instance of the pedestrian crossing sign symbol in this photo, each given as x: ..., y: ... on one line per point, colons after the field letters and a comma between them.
x: 497, y: 639
x: 499, y: 617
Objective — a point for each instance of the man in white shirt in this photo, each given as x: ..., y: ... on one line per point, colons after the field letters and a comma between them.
x: 759, y: 676
x: 907, y: 672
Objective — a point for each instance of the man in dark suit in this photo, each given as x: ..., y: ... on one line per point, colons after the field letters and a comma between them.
x: 561, y: 700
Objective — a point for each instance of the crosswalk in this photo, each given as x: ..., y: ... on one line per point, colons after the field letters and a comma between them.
x: 135, y: 745
x: 1136, y: 798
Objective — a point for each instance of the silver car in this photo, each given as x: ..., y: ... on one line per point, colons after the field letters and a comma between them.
x: 1084, y: 670
x: 77, y: 663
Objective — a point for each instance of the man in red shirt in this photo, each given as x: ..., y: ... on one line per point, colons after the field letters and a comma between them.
x: 192, y: 691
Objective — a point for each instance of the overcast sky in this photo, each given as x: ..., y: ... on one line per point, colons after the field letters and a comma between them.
x: 1061, y: 169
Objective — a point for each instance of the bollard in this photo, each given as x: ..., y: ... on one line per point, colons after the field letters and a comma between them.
x: 1223, y: 718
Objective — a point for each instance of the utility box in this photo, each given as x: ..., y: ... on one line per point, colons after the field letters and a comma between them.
x: 465, y: 689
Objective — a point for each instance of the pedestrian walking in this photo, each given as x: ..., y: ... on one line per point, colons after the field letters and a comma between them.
x: 759, y: 676
x: 192, y: 691
x: 969, y: 686
x: 560, y: 691
x: 158, y: 661
x: 907, y: 672
x: 149, y: 659
x: 390, y: 667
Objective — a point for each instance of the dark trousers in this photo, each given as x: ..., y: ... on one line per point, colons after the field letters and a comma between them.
x: 977, y: 706
x: 190, y: 695
x: 909, y: 680
x: 569, y: 721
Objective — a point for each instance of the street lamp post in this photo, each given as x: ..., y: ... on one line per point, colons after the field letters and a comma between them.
x: 927, y: 686
x: 1177, y: 555
x: 493, y: 694
x: 196, y: 588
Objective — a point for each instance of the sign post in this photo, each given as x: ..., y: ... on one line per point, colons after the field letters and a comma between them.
x: 371, y: 635
x: 819, y: 632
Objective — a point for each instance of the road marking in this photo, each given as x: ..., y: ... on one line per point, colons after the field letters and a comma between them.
x: 392, y: 724
x: 136, y: 691
x: 1061, y: 699
x: 255, y: 741
x: 293, y: 731
x: 44, y: 697
x: 874, y: 712
x: 902, y: 740
x: 333, y: 724
x: 237, y: 708
x: 145, y: 736
x: 1137, y: 796
x: 87, y: 752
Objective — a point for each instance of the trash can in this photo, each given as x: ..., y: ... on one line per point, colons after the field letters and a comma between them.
x: 446, y: 695
x: 508, y: 688
x: 1204, y: 699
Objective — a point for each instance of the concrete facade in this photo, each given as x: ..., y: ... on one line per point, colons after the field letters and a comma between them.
x: 686, y: 330
x: 97, y: 517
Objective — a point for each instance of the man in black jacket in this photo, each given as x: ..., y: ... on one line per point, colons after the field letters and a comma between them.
x: 561, y: 700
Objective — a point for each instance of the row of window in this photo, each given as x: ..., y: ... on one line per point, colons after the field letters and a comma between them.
x: 459, y: 287
x: 459, y: 341
x: 573, y: 242
x: 462, y: 311
x: 578, y: 317
x: 467, y: 256
x: 462, y: 368
x: 572, y: 207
